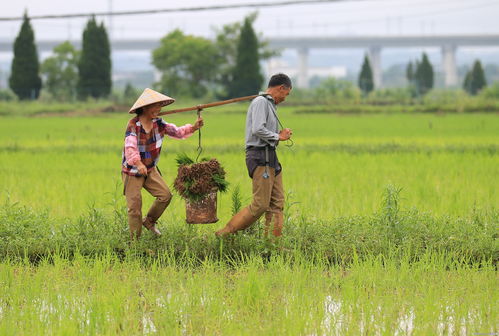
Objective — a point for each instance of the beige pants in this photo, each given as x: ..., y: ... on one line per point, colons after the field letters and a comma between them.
x: 156, y: 186
x: 268, y: 193
x: 268, y: 198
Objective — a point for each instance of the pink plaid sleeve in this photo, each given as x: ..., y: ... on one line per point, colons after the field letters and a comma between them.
x: 175, y: 132
x: 132, y: 154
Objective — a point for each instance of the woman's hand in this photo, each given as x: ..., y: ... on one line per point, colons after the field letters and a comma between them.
x: 142, y: 168
x: 198, y: 124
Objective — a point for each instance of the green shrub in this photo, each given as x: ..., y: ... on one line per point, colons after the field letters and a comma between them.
x: 490, y: 92
x: 7, y: 95
x: 446, y: 96
x: 390, y: 96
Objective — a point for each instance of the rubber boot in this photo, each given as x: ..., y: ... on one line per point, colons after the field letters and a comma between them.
x: 278, y: 220
x: 156, y: 210
x: 268, y: 221
x: 135, y: 226
x: 150, y: 224
x: 239, y: 221
x: 273, y: 221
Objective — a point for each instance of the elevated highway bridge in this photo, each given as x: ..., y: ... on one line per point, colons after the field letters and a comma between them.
x: 372, y: 44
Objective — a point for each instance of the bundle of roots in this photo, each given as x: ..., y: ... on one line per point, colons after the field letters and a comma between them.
x: 196, y: 180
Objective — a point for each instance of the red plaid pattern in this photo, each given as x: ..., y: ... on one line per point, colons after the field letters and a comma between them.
x: 149, y: 144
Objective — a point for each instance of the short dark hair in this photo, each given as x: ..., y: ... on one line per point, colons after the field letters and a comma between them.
x: 280, y: 79
x: 139, y: 111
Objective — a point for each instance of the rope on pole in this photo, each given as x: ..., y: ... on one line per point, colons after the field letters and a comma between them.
x: 200, y: 148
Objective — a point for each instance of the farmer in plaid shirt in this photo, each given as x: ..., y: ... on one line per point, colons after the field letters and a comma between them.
x: 143, y: 139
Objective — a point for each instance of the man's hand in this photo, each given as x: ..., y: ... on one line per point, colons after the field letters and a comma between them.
x: 198, y: 124
x: 285, y: 134
x: 142, y: 168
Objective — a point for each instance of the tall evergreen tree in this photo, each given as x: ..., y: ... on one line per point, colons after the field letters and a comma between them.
x: 25, y: 79
x: 424, y: 77
x: 366, y: 82
x: 409, y: 73
x: 475, y: 79
x: 94, y: 67
x: 246, y: 76
x: 227, y: 38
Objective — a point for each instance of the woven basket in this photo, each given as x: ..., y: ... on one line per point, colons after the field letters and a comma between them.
x: 203, y: 211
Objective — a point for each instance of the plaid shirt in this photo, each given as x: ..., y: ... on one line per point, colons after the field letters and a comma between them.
x: 147, y: 146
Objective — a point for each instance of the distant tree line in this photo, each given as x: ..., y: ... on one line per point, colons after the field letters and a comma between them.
x: 228, y: 66
x: 189, y: 65
x: 421, y: 77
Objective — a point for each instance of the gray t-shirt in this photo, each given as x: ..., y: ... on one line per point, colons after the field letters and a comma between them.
x: 262, y: 127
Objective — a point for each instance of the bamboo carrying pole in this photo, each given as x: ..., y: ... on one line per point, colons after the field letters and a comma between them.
x: 203, y: 106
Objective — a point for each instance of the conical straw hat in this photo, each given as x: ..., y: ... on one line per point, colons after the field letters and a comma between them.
x: 150, y: 96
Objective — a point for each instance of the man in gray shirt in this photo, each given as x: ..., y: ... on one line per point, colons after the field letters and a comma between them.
x: 262, y: 138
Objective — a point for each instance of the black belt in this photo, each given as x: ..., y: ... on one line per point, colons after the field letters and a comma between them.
x: 259, y: 147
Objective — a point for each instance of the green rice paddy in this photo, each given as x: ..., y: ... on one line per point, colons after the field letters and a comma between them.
x: 391, y: 229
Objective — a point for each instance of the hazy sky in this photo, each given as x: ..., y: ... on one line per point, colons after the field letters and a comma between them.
x: 375, y: 17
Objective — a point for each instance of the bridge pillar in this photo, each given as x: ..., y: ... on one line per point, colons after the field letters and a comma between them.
x: 302, y: 68
x: 449, y: 65
x: 375, y: 60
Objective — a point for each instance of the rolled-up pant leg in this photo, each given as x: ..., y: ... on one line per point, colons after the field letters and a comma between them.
x: 132, y: 191
x: 157, y: 187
